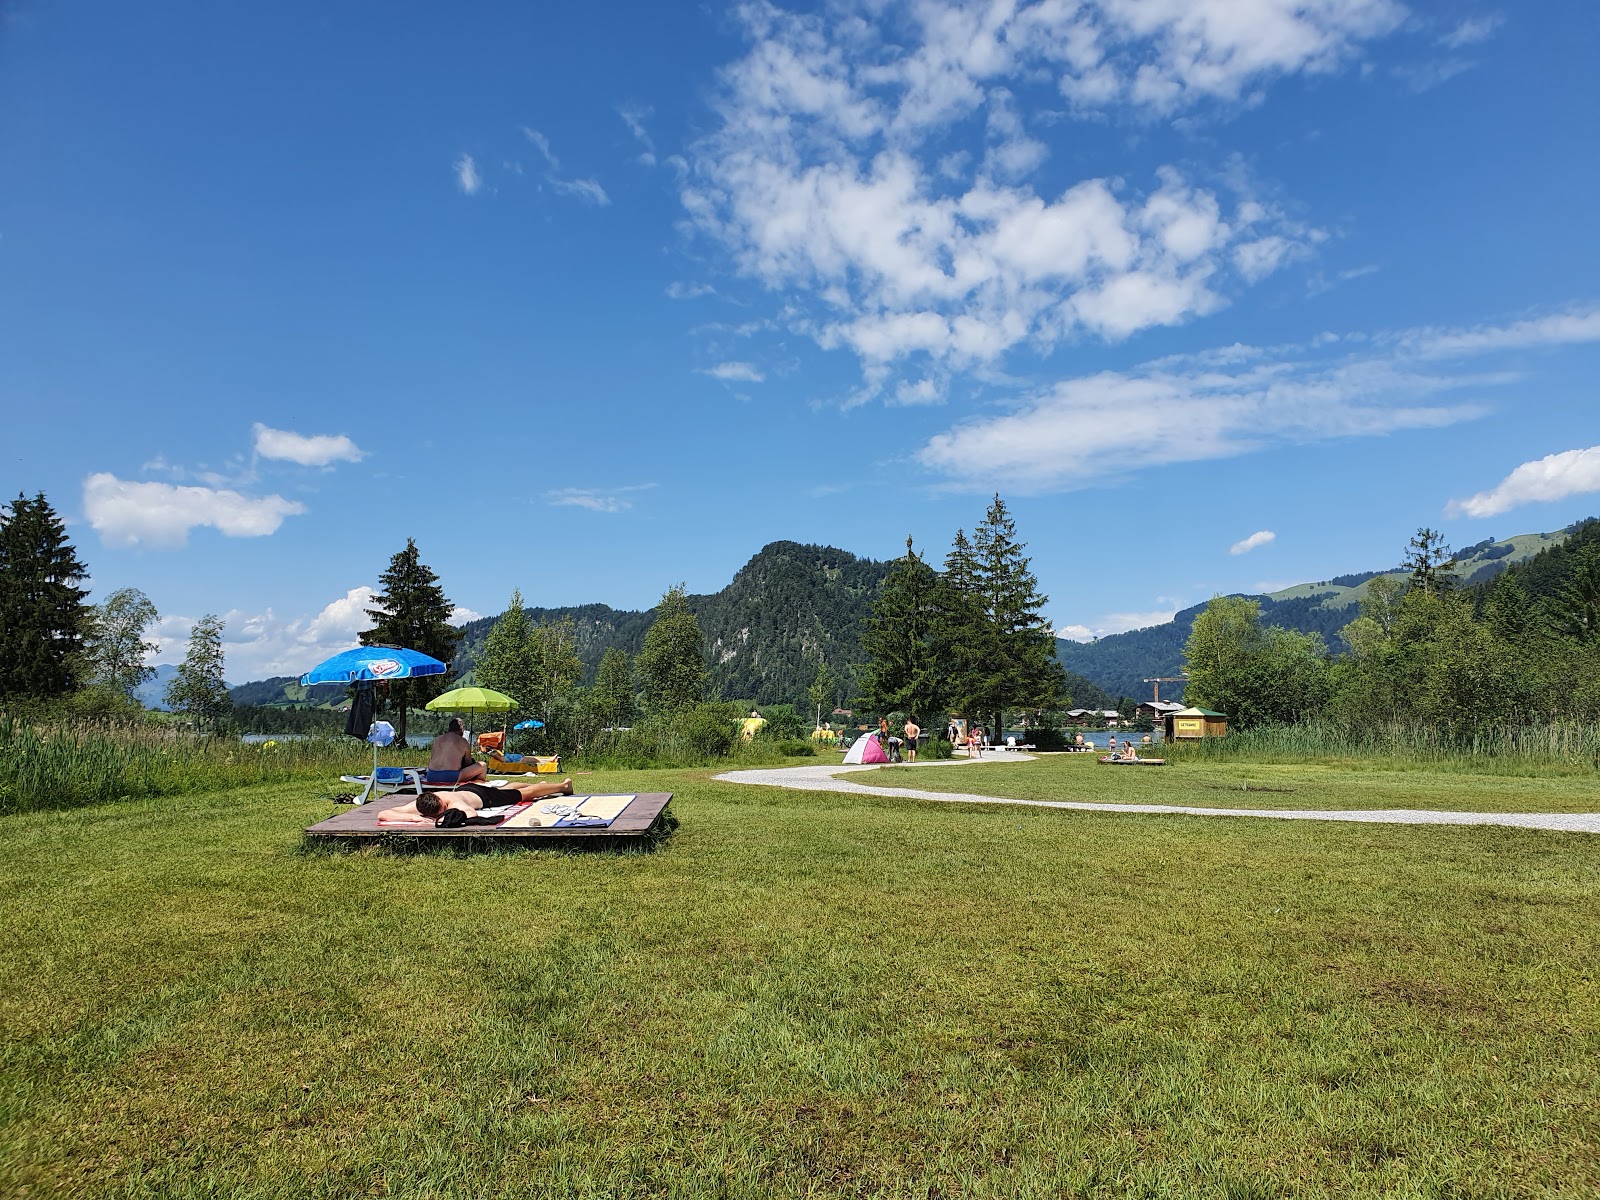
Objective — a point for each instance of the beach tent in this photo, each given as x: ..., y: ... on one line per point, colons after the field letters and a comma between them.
x: 865, y: 749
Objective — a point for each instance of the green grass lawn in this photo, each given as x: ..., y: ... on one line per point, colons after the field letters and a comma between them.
x: 800, y: 994
x: 1080, y: 777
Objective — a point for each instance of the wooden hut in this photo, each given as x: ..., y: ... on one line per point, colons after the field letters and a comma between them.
x: 1189, y: 723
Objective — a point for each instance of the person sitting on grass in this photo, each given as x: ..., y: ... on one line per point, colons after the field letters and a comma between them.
x: 470, y: 799
x: 450, y: 760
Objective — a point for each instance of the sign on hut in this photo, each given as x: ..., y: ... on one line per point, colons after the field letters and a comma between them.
x: 1195, y: 723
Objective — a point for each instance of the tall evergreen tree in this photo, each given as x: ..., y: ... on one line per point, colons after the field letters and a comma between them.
x: 903, y: 672
x: 672, y: 666
x: 1024, y: 671
x: 43, y: 619
x: 1575, y: 609
x: 962, y: 637
x: 116, y: 646
x: 1428, y: 559
x: 412, y: 612
x: 198, y: 690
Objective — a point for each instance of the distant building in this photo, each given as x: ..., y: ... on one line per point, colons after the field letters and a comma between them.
x: 1189, y: 723
x: 1157, y: 711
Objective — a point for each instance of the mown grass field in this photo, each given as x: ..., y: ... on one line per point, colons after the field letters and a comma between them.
x: 1080, y: 777
x: 800, y: 994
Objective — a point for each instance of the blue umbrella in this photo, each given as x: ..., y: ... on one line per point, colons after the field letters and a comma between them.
x: 529, y: 724
x: 373, y: 663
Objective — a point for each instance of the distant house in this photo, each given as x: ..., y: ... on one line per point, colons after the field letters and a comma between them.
x: 1156, y: 711
x: 1079, y: 716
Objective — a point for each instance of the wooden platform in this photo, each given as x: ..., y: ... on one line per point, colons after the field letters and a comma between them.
x: 641, y: 816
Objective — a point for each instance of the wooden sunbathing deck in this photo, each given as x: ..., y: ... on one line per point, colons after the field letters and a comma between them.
x: 641, y: 816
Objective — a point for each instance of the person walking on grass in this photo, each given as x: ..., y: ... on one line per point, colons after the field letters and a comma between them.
x: 913, y: 732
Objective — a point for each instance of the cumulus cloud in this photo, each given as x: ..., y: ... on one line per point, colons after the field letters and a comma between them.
x: 309, y: 450
x: 1262, y: 537
x: 1553, y: 477
x: 467, y: 177
x: 160, y: 515
x: 831, y: 178
x: 601, y: 500
x: 1237, y: 399
x: 735, y: 372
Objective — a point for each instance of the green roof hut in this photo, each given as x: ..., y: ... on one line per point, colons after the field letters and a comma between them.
x: 1190, y: 723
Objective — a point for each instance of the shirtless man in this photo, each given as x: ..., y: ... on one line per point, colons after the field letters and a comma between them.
x: 913, y: 732
x: 426, y: 809
x: 452, y: 753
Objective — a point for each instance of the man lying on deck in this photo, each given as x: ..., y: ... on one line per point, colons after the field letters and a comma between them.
x: 470, y: 798
x: 450, y: 759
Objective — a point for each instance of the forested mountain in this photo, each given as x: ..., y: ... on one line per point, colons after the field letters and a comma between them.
x: 787, y: 608
x: 792, y: 604
x: 1121, y: 662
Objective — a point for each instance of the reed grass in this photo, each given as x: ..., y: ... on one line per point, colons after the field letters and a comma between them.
x: 1561, y: 747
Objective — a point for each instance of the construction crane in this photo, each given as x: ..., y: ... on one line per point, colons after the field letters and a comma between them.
x: 1159, y: 680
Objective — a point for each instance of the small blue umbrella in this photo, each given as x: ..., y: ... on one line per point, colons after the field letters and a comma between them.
x: 373, y: 663
x: 529, y: 724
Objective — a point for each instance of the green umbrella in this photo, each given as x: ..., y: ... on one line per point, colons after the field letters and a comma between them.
x: 473, y: 700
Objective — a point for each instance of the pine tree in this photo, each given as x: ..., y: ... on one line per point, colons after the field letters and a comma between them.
x: 43, y: 619
x: 1428, y: 559
x: 412, y: 613
x: 1024, y: 670
x: 116, y: 647
x: 903, y: 671
x: 198, y: 690
x: 672, y: 667
x: 961, y: 636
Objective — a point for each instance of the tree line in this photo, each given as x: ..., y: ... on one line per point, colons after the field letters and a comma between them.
x: 1519, y: 650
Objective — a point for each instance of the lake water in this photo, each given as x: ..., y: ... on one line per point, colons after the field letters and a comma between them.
x: 417, y: 741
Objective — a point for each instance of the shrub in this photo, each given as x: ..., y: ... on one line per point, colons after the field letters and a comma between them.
x: 937, y: 748
x: 707, y: 730
x: 783, y: 722
x: 796, y: 748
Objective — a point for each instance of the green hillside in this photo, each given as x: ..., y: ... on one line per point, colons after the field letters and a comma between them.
x: 1121, y: 662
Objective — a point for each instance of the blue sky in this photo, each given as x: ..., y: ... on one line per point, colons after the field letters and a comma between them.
x: 590, y: 300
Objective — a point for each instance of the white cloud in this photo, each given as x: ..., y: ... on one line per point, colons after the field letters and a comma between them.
x: 602, y: 500
x: 461, y: 614
x: 262, y: 645
x: 1238, y: 399
x: 543, y: 144
x: 735, y: 372
x: 1110, y: 623
x: 1553, y: 477
x: 467, y: 177
x: 161, y: 515
x: 1262, y: 537
x: 634, y: 119
x: 585, y: 189
x: 1472, y: 31
x: 832, y: 181
x: 309, y: 450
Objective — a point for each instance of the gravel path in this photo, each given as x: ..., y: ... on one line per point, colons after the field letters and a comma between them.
x: 824, y: 779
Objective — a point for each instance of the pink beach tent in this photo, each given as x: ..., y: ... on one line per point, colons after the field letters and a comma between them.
x: 865, y: 749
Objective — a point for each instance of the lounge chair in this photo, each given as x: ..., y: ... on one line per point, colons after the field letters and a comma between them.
x: 385, y: 781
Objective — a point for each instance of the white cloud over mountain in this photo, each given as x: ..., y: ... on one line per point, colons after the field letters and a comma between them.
x: 1262, y: 537
x: 852, y: 173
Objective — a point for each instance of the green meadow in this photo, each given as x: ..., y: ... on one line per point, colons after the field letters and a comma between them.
x: 810, y: 994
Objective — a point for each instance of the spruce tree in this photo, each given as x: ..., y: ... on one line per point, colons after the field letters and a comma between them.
x: 411, y: 612
x: 1428, y: 559
x: 43, y: 619
x: 903, y: 672
x: 116, y: 647
x: 198, y: 690
x: 1024, y: 671
x: 672, y: 667
x: 961, y: 636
